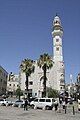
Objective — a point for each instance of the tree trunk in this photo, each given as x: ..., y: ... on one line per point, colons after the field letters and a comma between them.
x: 19, y: 96
x: 26, y: 83
x: 44, y: 83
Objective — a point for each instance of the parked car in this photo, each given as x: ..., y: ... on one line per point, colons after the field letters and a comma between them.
x: 44, y: 103
x: 78, y: 104
x: 9, y: 103
x: 18, y: 103
x: 3, y: 101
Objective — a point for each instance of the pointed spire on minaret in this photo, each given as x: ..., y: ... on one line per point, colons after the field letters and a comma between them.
x: 56, y: 14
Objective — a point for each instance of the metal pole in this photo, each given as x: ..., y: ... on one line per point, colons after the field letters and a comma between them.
x: 73, y: 111
x: 65, y: 109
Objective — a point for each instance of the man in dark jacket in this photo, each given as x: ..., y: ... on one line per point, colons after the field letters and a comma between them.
x: 26, y: 105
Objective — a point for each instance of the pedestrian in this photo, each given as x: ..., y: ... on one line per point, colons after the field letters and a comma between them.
x: 63, y: 104
x: 60, y: 101
x: 56, y: 105
x: 26, y: 105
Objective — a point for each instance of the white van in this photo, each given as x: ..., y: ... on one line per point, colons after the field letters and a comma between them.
x: 44, y: 103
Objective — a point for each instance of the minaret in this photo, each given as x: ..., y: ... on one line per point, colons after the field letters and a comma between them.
x: 57, y: 34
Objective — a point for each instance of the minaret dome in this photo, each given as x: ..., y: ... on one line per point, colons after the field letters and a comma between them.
x: 57, y: 27
x: 56, y: 21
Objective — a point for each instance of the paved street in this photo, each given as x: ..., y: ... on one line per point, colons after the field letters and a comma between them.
x: 14, y: 113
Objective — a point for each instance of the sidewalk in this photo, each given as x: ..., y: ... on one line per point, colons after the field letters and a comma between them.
x: 14, y: 113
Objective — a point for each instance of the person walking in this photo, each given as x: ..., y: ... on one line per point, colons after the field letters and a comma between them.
x: 26, y: 105
x: 56, y: 105
x: 63, y: 104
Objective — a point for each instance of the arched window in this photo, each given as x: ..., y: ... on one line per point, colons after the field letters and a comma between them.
x: 62, y: 75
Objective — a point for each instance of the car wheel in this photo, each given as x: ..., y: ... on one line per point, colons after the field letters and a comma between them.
x: 19, y: 106
x: 6, y: 104
x: 78, y: 109
x: 47, y: 107
x: 53, y: 108
x: 35, y: 107
x: 32, y: 106
x: 44, y: 108
x: 13, y: 105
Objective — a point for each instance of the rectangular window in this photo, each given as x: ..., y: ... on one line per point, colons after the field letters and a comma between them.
x: 1, y: 80
x: 48, y: 100
x: 31, y: 83
x: 42, y: 100
x: 6, y: 76
x: 57, y: 40
x: 30, y: 90
x: 57, y: 48
x: 36, y: 100
x: 35, y: 94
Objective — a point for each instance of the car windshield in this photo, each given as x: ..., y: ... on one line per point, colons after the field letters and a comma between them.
x: 1, y: 100
x: 19, y: 101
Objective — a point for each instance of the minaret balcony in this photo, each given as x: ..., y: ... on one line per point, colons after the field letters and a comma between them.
x: 57, y: 27
x: 57, y: 33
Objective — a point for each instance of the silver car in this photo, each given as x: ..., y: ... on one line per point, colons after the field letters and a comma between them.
x: 18, y: 103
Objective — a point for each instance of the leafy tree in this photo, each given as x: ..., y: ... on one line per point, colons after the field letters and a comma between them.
x: 45, y: 62
x: 52, y: 93
x: 19, y: 92
x: 27, y: 67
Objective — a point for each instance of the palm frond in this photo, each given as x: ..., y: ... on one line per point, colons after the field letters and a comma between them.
x: 27, y: 66
x: 45, y: 59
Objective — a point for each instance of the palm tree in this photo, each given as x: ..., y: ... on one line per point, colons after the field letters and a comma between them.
x: 45, y: 62
x: 27, y: 67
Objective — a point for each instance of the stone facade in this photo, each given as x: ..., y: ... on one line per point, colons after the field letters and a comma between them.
x: 12, y: 83
x: 3, y: 81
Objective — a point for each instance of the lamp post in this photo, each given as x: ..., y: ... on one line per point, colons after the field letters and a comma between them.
x: 78, y: 85
x: 71, y: 85
x: 71, y: 92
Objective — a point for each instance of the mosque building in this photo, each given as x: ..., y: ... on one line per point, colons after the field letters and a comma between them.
x: 55, y: 75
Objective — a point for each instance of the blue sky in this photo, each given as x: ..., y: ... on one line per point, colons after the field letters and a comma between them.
x: 25, y: 32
